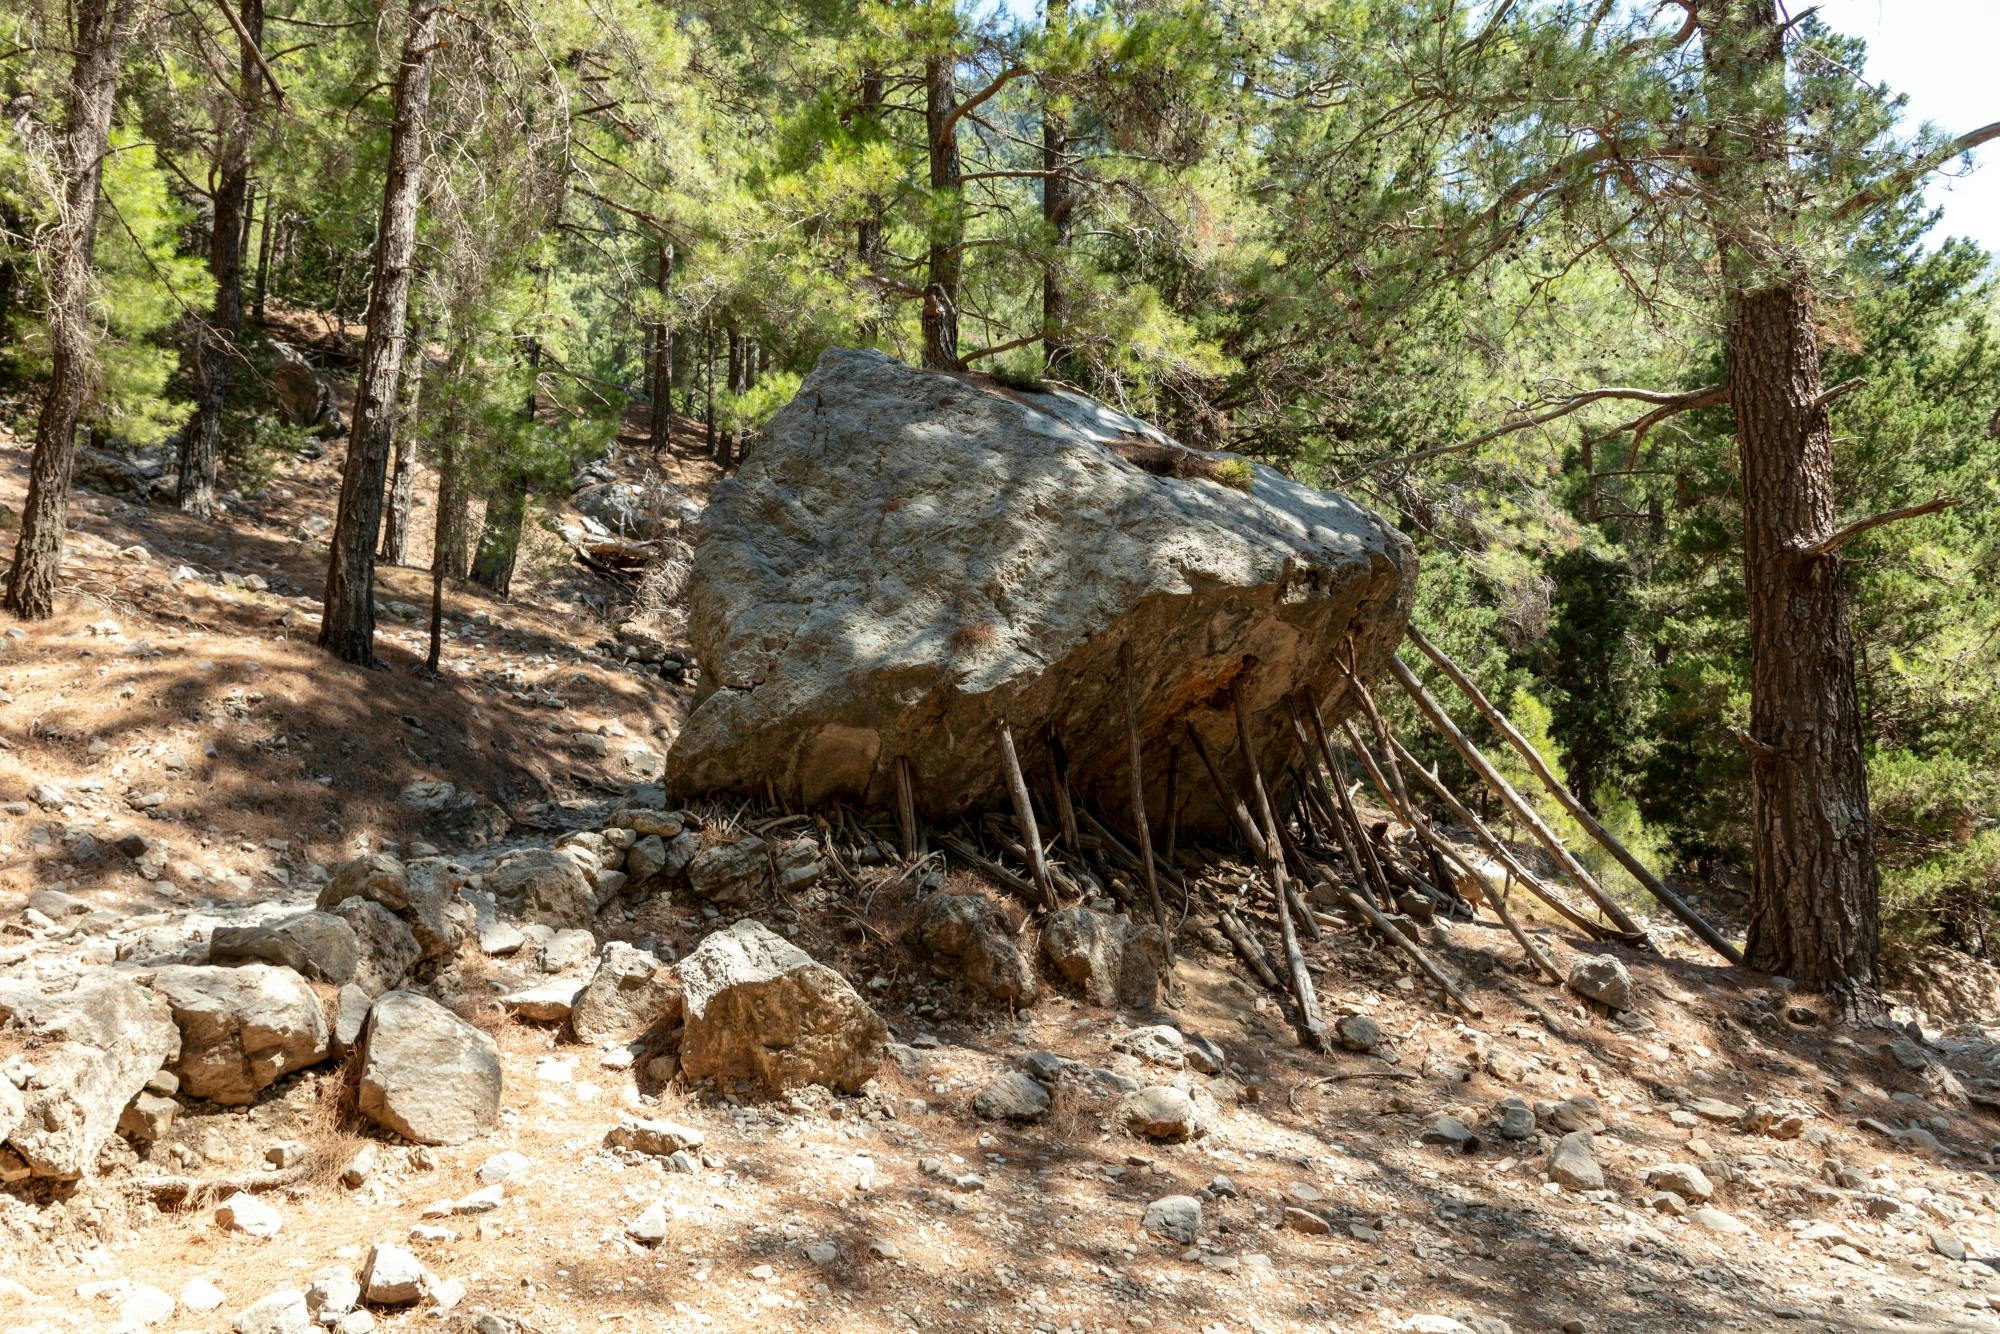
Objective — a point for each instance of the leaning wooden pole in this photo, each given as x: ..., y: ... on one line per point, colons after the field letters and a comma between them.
x: 1564, y: 858
x: 1366, y: 853
x: 1139, y: 823
x: 1500, y: 851
x: 1246, y: 825
x: 1410, y: 947
x: 1274, y: 865
x: 1673, y: 902
x: 906, y: 811
x: 1024, y: 813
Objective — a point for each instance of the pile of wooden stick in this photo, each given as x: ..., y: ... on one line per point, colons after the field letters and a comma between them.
x: 1302, y: 829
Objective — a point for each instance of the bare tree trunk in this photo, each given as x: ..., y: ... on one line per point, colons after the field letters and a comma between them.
x: 660, y: 386
x: 945, y: 260
x: 263, y: 256
x: 398, y: 523
x: 708, y: 385
x: 102, y: 28
x: 347, y: 621
x: 217, y: 343
x: 500, y: 538
x: 1815, y: 888
x: 1058, y: 204
x: 451, y: 557
x: 868, y: 232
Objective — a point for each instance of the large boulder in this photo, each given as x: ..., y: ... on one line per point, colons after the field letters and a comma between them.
x: 965, y: 934
x: 427, y: 1074
x: 97, y: 1039
x: 241, y: 1028
x: 760, y: 1009
x: 910, y: 556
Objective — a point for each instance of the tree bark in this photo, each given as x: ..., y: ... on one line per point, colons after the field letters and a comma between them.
x: 398, y: 521
x: 945, y: 259
x: 1815, y: 888
x: 1058, y: 203
x: 263, y: 256
x: 708, y: 389
x: 347, y: 619
x: 102, y: 29
x: 868, y: 232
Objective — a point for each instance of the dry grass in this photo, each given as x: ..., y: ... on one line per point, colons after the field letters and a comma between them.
x: 973, y: 637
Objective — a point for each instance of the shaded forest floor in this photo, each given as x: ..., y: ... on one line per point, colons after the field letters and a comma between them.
x: 194, y: 710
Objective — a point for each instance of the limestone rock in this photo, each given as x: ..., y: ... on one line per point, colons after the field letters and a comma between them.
x: 760, y: 1009
x: 1177, y: 1218
x: 378, y: 878
x: 249, y: 1215
x: 1573, y: 1163
x: 432, y: 885
x: 662, y: 1139
x: 1161, y: 1112
x: 280, y: 1312
x: 427, y: 1074
x: 547, y: 886
x: 631, y: 993
x: 242, y: 1028
x: 99, y: 1038
x: 1682, y: 1179
x: 1357, y: 1032
x: 316, y: 945
x: 1012, y: 1097
x: 967, y: 930
x: 1108, y: 958
x: 392, y: 1276
x: 909, y: 556
x: 388, y: 948
x: 734, y: 874
x: 1603, y: 979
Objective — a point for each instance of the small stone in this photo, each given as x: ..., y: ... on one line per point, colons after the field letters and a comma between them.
x: 1715, y: 1220
x: 1451, y: 1133
x: 359, y: 1167
x: 650, y: 1227
x: 285, y: 1153
x: 1716, y: 1110
x: 1604, y: 980
x: 1357, y: 1032
x: 1306, y: 1221
x: 392, y: 1276
x: 1950, y: 1247
x: 822, y: 1252
x: 1513, y: 1119
x: 1012, y: 1097
x: 200, y: 1296
x: 1683, y: 1179
x: 145, y: 1305
x: 658, y: 1138
x: 281, y: 1312
x: 502, y: 1167
x: 334, y: 1292
x: 248, y: 1215
x: 1574, y: 1164
x: 1177, y: 1218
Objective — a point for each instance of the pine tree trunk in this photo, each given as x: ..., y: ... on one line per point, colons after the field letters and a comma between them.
x: 263, y: 256
x: 1815, y: 887
x: 347, y: 620
x: 398, y: 520
x: 868, y: 232
x: 945, y: 259
x: 708, y: 387
x: 102, y: 29
x: 500, y: 538
x: 1057, y: 205
x: 216, y: 346
x: 660, y: 387
x: 451, y: 531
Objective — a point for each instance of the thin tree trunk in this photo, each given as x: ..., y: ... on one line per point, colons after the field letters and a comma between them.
x: 263, y: 257
x: 1057, y: 206
x: 1815, y: 888
x: 945, y: 259
x: 347, y: 621
x: 500, y: 538
x: 398, y: 521
x: 451, y: 533
x: 660, y: 387
x: 708, y: 388
x: 102, y: 29
x: 868, y: 232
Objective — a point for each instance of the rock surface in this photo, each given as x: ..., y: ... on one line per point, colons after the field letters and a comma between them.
x: 427, y: 1074
x: 98, y: 1041
x: 760, y: 1009
x: 909, y: 556
x: 242, y: 1028
x: 631, y: 992
x: 1109, y: 958
x: 967, y: 937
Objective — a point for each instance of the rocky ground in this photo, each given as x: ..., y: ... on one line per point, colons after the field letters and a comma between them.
x: 309, y: 1023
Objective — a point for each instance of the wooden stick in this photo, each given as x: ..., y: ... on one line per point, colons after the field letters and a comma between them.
x: 1274, y: 865
x: 1248, y: 947
x: 1381, y: 728
x: 906, y: 809
x: 1400, y: 797
x: 959, y: 848
x: 1173, y: 801
x: 1375, y: 876
x: 1347, y: 849
x: 1500, y: 851
x: 1142, y: 830
x: 1059, y: 780
x: 1672, y: 901
x: 1245, y: 826
x: 1571, y: 867
x: 1404, y: 943
x: 1024, y: 813
x: 1125, y: 855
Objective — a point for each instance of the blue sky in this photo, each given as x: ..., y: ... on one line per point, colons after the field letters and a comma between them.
x: 1945, y: 54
